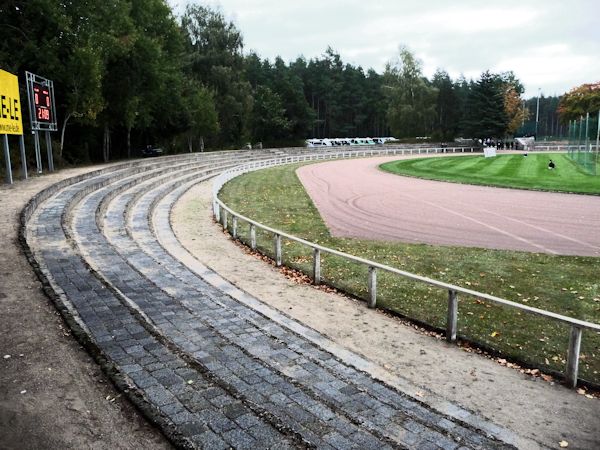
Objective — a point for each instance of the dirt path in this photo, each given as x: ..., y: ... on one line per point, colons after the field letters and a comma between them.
x: 356, y: 199
x: 52, y: 394
x: 416, y: 363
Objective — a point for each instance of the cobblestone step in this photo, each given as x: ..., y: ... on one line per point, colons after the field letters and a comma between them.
x: 188, y: 330
x: 211, y: 370
x: 193, y: 405
x: 307, y: 360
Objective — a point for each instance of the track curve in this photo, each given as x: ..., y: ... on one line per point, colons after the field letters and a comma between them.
x: 212, y: 366
x: 356, y: 199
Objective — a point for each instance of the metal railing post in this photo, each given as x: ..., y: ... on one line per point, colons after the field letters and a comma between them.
x: 372, y: 287
x: 278, y: 250
x: 316, y: 266
x: 451, y: 320
x: 573, y: 356
x: 577, y: 326
x: 234, y: 226
x: 252, y: 236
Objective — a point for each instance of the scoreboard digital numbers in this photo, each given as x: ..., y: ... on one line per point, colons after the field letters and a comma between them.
x: 41, y: 103
x: 40, y: 92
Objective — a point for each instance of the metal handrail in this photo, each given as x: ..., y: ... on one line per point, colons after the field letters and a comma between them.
x: 221, y: 211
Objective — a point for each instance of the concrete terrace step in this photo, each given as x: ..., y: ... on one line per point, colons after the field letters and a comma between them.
x: 211, y: 370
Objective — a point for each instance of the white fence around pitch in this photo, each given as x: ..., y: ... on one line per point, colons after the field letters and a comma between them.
x: 222, y: 212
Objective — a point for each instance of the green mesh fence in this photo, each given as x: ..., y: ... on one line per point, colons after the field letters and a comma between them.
x: 583, y: 143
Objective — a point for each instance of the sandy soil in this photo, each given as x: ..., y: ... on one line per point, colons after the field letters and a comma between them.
x: 52, y: 394
x: 545, y: 412
x: 357, y: 199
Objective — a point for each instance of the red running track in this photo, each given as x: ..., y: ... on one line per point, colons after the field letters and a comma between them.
x: 356, y: 199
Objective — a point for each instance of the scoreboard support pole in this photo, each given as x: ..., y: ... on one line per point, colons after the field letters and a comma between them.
x: 49, y: 151
x: 38, y: 156
x: 23, y: 157
x: 9, y: 178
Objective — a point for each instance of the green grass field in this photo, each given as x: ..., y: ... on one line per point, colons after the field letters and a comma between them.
x: 563, y: 284
x: 529, y: 172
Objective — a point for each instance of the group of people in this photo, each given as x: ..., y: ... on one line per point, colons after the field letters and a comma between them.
x: 499, y: 144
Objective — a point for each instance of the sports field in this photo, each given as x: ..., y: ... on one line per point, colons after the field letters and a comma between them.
x: 524, y: 172
x: 563, y: 284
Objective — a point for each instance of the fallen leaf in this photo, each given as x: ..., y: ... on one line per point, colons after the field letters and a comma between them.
x: 494, y: 334
x: 419, y: 394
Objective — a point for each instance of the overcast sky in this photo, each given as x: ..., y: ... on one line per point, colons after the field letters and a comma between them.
x: 549, y: 44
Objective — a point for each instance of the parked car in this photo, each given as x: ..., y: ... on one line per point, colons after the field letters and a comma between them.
x: 152, y: 151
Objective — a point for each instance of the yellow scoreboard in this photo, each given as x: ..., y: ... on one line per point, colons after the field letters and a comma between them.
x: 10, y: 104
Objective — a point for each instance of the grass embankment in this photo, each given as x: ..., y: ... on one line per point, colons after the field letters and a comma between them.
x: 517, y: 171
x: 566, y: 285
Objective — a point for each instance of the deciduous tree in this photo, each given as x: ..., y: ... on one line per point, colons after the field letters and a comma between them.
x: 579, y: 101
x: 411, y: 110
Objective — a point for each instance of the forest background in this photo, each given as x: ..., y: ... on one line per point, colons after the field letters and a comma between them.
x: 129, y: 73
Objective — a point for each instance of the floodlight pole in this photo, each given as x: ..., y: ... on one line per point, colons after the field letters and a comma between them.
x: 587, y: 130
x: 537, y: 113
x: 598, y: 133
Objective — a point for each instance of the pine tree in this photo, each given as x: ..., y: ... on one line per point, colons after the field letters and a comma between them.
x: 485, y: 116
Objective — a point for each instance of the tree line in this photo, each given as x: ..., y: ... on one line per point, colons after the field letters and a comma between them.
x: 129, y: 73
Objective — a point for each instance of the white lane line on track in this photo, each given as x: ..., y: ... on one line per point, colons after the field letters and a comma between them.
x: 362, y: 219
x: 537, y: 227
x: 512, y: 235
x: 486, y: 225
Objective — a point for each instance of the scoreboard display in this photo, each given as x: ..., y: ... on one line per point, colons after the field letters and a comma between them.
x: 41, y: 103
x: 40, y: 92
